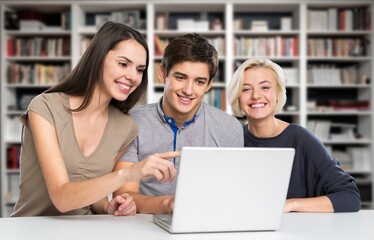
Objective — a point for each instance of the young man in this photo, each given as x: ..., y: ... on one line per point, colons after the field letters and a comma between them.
x: 180, y: 118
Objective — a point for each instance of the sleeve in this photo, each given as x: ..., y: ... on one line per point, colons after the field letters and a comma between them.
x: 330, y: 179
x: 340, y: 188
x: 42, y: 106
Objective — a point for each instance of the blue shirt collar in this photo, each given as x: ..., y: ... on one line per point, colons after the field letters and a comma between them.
x: 170, y: 120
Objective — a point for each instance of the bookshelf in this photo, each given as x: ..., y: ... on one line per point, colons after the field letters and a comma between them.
x: 35, y: 54
x: 328, y: 92
x: 338, y: 87
x: 279, y: 45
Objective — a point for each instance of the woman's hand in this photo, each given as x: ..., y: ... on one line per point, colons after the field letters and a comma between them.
x: 122, y: 205
x: 158, y: 165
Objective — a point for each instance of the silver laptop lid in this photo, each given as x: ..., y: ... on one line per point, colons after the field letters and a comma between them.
x: 231, y: 189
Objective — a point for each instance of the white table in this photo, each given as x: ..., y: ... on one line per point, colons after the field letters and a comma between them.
x: 294, y: 226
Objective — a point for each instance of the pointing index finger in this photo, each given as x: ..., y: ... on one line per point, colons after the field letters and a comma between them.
x: 167, y: 155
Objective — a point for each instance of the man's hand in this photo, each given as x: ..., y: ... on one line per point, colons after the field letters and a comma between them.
x: 122, y: 205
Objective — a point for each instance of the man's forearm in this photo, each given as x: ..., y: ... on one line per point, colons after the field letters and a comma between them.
x: 153, y: 204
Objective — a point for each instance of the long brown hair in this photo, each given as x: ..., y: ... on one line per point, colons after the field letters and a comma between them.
x: 82, y: 80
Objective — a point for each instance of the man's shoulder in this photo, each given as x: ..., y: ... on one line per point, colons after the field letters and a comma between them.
x: 144, y: 110
x: 217, y: 114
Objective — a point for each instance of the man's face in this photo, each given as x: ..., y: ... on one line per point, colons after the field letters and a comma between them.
x: 185, y: 86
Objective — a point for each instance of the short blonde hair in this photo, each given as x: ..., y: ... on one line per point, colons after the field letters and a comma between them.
x: 237, y: 80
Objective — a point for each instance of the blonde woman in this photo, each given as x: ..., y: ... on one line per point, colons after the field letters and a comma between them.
x: 257, y: 90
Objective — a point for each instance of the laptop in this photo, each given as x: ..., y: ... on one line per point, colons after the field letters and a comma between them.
x: 229, y: 189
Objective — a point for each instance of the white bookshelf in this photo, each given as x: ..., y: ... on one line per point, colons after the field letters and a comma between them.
x: 300, y: 90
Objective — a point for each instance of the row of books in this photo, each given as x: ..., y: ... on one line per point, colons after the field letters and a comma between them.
x: 217, y: 98
x: 266, y: 46
x: 336, y: 47
x: 36, y: 73
x: 194, y: 21
x: 327, y: 130
x: 320, y: 128
x: 333, y: 75
x: 219, y: 44
x: 38, y: 47
x: 349, y: 19
x: 361, y: 158
x: 338, y: 105
x: 131, y: 18
x: 353, y: 158
x: 241, y: 23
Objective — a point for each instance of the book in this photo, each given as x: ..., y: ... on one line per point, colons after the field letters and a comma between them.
x: 343, y: 132
x: 185, y: 25
x: 332, y: 19
x: 291, y: 75
x: 286, y: 23
x: 31, y: 25
x: 259, y: 25
x: 360, y: 158
x: 162, y: 21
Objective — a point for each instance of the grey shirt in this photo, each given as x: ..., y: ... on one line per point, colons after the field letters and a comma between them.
x: 210, y: 127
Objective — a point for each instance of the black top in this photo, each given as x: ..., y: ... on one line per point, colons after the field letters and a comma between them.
x: 315, y: 172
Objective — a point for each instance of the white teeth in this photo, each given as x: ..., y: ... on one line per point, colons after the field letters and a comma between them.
x: 185, y: 99
x: 257, y: 105
x: 123, y: 86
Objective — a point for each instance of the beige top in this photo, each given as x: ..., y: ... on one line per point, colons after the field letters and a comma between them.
x: 34, y: 199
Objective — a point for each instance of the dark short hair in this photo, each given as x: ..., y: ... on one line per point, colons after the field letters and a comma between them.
x: 190, y: 47
x: 82, y: 80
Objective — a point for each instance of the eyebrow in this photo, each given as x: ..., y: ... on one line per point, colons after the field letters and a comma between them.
x: 262, y: 82
x: 185, y: 75
x: 128, y: 60
x: 265, y: 81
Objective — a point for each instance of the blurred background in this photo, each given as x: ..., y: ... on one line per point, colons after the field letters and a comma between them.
x: 325, y: 48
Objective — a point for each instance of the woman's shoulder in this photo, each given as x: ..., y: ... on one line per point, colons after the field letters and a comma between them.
x: 298, y: 129
x: 50, y: 98
x: 120, y: 118
x: 302, y: 134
